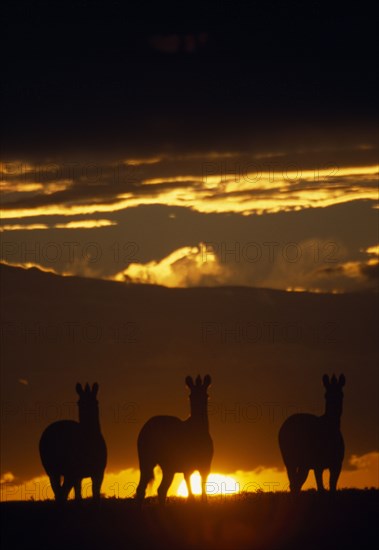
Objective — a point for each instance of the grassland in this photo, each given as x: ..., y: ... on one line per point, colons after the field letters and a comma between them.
x: 275, y: 521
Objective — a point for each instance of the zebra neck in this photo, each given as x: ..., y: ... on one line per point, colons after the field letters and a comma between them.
x: 333, y: 421
x: 92, y: 428
x: 199, y: 420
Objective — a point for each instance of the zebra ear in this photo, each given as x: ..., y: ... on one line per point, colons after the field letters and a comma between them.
x: 189, y: 382
x: 207, y: 381
x: 95, y: 389
x: 325, y: 380
x: 341, y: 380
x: 79, y: 389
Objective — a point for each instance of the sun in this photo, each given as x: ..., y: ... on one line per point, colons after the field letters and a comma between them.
x: 217, y: 484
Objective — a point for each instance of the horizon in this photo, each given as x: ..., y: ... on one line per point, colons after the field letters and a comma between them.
x: 30, y: 266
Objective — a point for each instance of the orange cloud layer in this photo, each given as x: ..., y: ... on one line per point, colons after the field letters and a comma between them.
x: 205, y: 184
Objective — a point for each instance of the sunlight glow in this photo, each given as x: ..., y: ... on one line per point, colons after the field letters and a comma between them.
x: 362, y: 473
x: 216, y: 484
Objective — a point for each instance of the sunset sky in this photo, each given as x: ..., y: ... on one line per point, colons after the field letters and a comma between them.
x: 189, y: 148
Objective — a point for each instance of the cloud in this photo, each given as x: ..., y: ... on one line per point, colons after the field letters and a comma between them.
x: 84, y: 224
x: 293, y: 266
x: 183, y: 43
x: 182, y: 268
x: 356, y: 275
x: 373, y: 250
x: 30, y: 265
x: 259, y: 182
x: 371, y: 271
x: 74, y: 224
x: 7, y: 477
x: 25, y: 227
x: 79, y: 267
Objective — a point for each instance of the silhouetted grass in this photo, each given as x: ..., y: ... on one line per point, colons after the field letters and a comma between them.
x: 262, y: 521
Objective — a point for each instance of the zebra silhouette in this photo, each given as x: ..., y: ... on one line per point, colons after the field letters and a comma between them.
x: 309, y: 442
x: 75, y: 450
x: 176, y: 445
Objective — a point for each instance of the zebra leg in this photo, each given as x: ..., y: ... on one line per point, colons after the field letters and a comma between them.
x: 55, y: 482
x: 68, y: 484
x: 167, y: 478
x: 334, y: 475
x: 302, y: 475
x: 319, y: 481
x: 78, y: 489
x: 187, y: 477
x: 97, y: 480
x: 204, y: 476
x: 146, y: 475
x: 292, y: 476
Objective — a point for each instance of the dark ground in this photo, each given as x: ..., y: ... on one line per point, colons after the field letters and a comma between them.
x: 255, y: 521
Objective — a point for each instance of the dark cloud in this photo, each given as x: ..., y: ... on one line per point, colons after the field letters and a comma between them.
x: 86, y: 78
x: 333, y: 270
x: 371, y: 272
